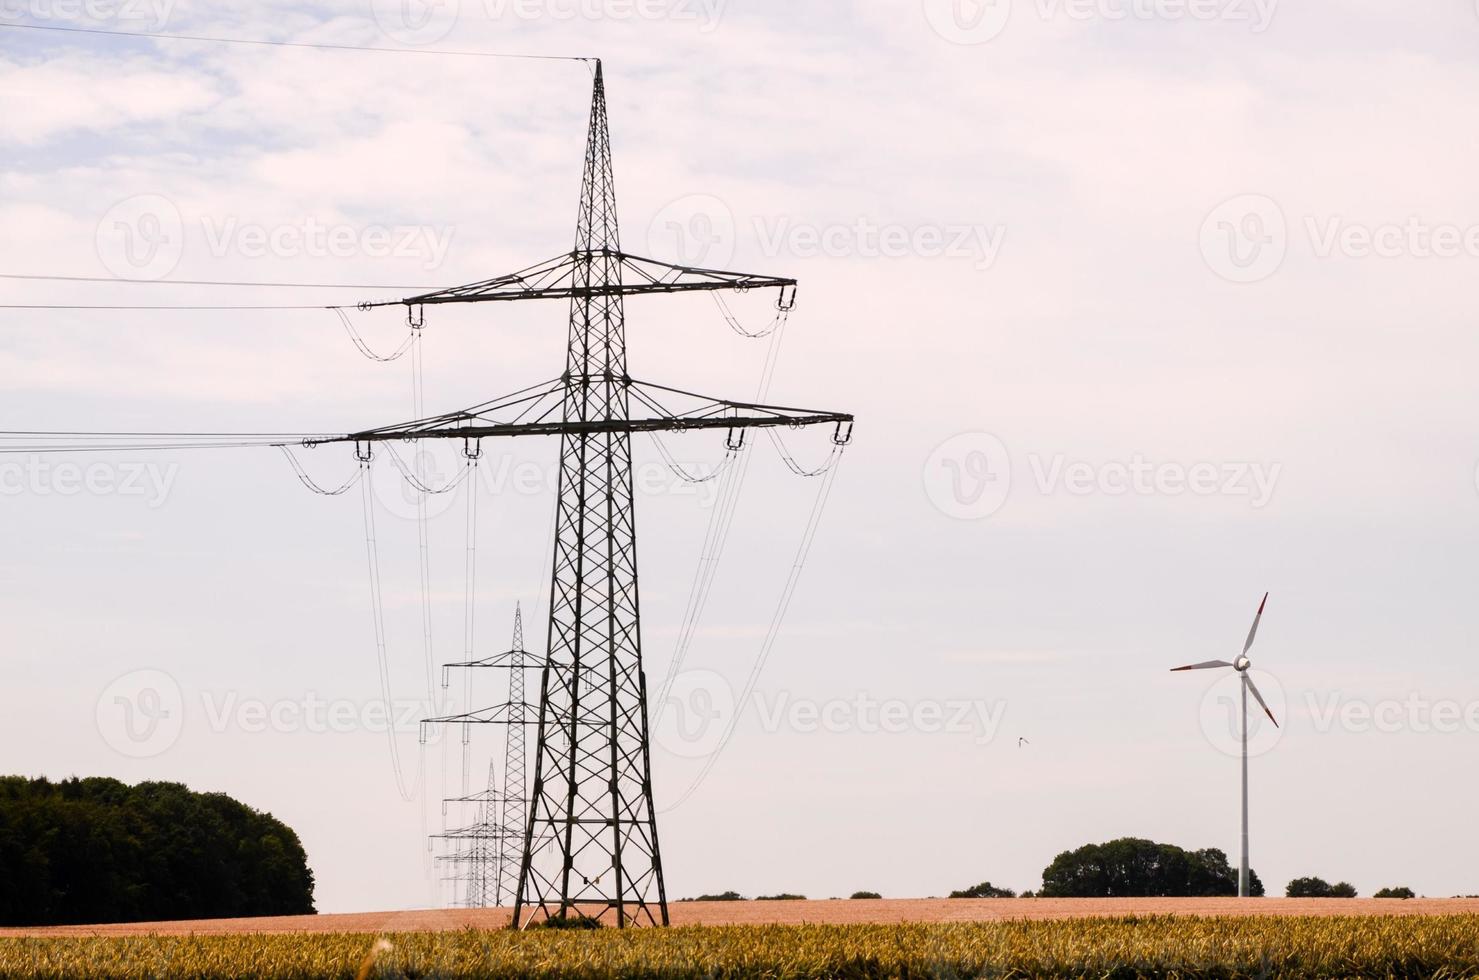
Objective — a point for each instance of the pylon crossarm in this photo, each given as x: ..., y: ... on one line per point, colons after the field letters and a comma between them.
x: 560, y: 278
x: 506, y: 714
x: 514, y: 659
x: 536, y: 412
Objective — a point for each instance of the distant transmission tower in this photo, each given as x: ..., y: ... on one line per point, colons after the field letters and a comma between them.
x: 590, y: 843
x: 475, y: 851
x: 511, y: 804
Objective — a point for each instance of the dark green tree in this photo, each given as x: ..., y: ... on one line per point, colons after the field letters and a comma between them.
x: 1319, y: 888
x: 98, y: 850
x: 984, y: 890
x: 1401, y: 891
x: 865, y: 895
x: 1134, y: 868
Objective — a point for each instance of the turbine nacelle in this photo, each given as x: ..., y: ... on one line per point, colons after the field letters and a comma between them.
x: 1242, y: 664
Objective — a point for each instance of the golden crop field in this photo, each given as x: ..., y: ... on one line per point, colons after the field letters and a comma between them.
x: 1435, y: 946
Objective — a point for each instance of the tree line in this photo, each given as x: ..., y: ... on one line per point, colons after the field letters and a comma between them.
x: 97, y: 850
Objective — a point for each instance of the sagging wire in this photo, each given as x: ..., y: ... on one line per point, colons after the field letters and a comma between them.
x: 716, y: 535
x: 795, y: 467
x: 309, y: 482
x: 377, y: 607
x: 365, y: 349
x: 783, y: 605
x: 472, y: 450
x: 415, y: 320
x: 672, y: 463
x: 784, y: 305
x: 416, y: 483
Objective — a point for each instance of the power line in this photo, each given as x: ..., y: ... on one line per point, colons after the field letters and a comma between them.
x: 321, y: 46
x: 210, y: 282
x: 75, y: 306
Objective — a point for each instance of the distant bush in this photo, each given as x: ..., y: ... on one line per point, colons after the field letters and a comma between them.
x: 1027, y: 894
x: 721, y: 897
x: 984, y: 890
x: 1401, y: 891
x: 98, y: 850
x: 865, y: 895
x: 1319, y: 888
x: 782, y: 897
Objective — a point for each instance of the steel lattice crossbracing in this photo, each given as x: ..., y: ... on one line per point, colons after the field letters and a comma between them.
x: 592, y: 792
x: 590, y: 846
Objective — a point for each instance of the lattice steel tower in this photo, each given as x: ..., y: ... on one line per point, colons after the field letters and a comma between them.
x: 591, y: 844
x: 501, y: 814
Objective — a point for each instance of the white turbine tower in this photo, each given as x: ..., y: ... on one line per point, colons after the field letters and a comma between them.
x: 1241, y: 665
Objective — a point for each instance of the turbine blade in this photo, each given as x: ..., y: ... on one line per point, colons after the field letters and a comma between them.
x: 1254, y: 631
x: 1261, y: 703
x: 1203, y: 666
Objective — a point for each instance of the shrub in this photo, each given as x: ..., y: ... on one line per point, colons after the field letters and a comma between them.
x: 1401, y: 891
x: 1319, y: 888
x: 865, y: 895
x: 984, y: 890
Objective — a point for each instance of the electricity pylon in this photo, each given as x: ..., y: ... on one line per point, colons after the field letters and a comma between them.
x: 590, y: 842
x: 477, y: 850
x: 512, y: 802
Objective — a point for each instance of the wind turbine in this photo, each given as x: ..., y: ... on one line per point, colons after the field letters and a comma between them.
x: 1241, y: 665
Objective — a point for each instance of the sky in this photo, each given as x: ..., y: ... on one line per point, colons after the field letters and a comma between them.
x: 1144, y: 309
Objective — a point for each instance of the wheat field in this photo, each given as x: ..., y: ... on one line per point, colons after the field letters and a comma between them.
x: 1159, y: 946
